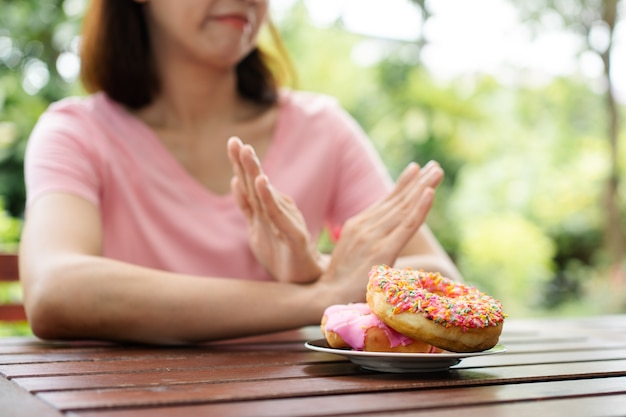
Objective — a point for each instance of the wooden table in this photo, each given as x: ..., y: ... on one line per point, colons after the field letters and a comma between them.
x: 553, y: 367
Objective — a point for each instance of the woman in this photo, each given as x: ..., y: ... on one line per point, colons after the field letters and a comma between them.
x: 149, y: 220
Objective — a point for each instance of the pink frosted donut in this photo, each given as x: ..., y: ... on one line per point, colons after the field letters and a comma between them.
x: 437, y: 310
x: 355, y: 326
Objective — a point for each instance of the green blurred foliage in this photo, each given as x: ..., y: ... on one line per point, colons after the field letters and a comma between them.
x: 11, y: 292
x: 35, y: 37
x: 10, y: 229
x: 15, y: 329
x: 520, y: 209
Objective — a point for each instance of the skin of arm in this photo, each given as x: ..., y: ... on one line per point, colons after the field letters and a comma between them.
x: 423, y: 251
x: 72, y: 291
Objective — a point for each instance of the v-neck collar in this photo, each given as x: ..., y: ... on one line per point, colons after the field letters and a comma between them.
x: 171, y: 166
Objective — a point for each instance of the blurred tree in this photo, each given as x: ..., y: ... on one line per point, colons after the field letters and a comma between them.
x: 521, y: 166
x: 595, y: 21
x: 38, y: 65
x: 518, y: 208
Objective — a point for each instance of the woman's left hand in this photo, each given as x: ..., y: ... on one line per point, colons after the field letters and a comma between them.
x: 278, y: 234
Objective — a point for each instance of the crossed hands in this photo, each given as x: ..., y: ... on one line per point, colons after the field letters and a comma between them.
x: 281, y: 242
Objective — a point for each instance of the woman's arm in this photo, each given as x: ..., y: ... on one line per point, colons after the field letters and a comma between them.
x: 71, y: 291
x: 423, y: 251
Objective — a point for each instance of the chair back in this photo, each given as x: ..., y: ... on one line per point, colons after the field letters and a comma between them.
x: 9, y: 272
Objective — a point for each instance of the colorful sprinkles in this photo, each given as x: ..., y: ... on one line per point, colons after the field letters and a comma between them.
x: 440, y: 299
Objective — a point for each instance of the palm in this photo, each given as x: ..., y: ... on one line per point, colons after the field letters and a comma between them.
x: 278, y: 235
x: 378, y: 233
x: 287, y: 252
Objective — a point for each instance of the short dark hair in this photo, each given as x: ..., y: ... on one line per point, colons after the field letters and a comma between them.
x: 116, y: 58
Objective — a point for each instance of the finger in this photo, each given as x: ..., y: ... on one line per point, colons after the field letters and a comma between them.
x: 393, y: 230
x: 278, y: 209
x: 245, y: 163
x: 425, y: 184
x: 419, y: 208
x: 406, y: 178
x: 240, y: 198
x: 412, y: 172
x: 430, y: 176
x: 433, y: 172
x: 406, y: 229
x: 401, y: 208
x: 411, y: 184
x: 233, y: 147
x: 240, y: 186
x: 407, y: 204
x: 251, y: 167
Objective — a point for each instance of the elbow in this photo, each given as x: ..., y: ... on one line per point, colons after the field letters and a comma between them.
x: 47, y: 308
x: 42, y: 328
x: 43, y: 318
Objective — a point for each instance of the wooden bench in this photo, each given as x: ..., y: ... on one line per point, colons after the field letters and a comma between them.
x: 9, y: 272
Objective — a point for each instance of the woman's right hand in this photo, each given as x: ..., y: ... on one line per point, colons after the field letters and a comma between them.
x: 378, y: 234
x: 278, y: 233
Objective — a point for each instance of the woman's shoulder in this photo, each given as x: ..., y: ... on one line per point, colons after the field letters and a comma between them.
x: 80, y: 117
x: 94, y: 104
x: 77, y: 121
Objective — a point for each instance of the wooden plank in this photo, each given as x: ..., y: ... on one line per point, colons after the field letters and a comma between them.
x: 288, y: 340
x: 292, y: 340
x: 138, y: 356
x: 265, y: 370
x: 605, y: 406
x: 59, y: 360
x: 565, y: 345
x: 268, y: 370
x: 296, y: 338
x: 564, y: 324
x: 43, y: 352
x: 9, y: 270
x: 33, y: 342
x: 459, y: 399
x: 30, y: 345
x: 12, y: 312
x: 535, y: 358
x: 177, y: 377
x: 15, y: 402
x: 299, y: 335
x: 357, y: 382
x: 153, y: 363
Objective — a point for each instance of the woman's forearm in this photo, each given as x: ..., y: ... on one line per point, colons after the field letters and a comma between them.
x: 92, y: 297
x: 431, y: 263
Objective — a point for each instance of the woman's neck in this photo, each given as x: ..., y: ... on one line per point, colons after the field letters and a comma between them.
x: 184, y: 102
x: 193, y: 117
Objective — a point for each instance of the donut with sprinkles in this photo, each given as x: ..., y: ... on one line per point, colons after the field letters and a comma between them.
x: 429, y: 307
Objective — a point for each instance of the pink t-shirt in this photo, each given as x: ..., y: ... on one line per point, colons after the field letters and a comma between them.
x: 155, y: 214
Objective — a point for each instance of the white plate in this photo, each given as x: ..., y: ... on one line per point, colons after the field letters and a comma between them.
x: 401, y: 362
